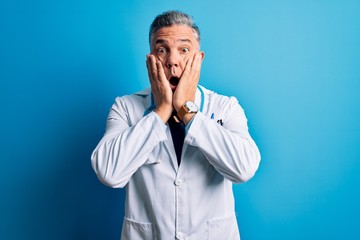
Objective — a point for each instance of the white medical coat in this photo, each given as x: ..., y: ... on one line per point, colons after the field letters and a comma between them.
x: 166, y: 201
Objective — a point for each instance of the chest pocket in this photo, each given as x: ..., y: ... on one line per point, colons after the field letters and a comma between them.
x: 155, y: 156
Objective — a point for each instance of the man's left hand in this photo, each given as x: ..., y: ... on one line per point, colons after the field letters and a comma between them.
x: 186, y: 89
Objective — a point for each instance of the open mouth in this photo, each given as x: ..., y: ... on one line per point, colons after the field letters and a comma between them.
x: 174, y: 81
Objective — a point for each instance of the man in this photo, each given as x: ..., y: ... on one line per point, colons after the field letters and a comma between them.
x: 177, y: 147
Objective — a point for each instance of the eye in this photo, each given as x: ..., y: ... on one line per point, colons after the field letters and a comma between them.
x: 161, y: 50
x: 185, y: 50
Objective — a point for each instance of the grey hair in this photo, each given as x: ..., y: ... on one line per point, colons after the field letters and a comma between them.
x: 170, y: 18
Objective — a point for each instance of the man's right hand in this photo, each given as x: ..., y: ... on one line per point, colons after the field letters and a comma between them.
x: 160, y: 88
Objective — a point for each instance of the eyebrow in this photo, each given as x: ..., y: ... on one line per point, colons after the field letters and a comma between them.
x: 160, y: 41
x: 184, y: 40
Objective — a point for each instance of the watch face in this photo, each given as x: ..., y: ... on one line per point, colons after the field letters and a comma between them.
x: 191, y: 106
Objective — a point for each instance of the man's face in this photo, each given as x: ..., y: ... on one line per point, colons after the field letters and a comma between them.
x: 174, y: 46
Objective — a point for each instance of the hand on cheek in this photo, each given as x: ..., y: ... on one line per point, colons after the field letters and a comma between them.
x: 186, y: 89
x: 160, y: 88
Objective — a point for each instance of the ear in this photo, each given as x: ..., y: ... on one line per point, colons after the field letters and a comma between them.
x: 202, y: 55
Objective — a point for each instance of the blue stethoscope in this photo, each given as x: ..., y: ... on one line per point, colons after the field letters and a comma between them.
x: 152, y: 106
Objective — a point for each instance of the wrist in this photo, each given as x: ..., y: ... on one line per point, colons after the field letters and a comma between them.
x: 179, y: 103
x: 178, y: 107
x: 188, y: 117
x: 164, y: 114
x: 187, y: 111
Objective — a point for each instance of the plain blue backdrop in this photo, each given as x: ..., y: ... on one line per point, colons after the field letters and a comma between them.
x: 293, y: 65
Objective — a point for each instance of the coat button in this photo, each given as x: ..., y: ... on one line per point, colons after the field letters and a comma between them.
x: 180, y: 236
x: 178, y: 182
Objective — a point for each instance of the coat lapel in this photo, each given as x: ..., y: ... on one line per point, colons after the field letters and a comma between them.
x: 169, y: 146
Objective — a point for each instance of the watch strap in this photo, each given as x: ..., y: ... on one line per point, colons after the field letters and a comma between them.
x: 182, y: 112
x: 188, y: 107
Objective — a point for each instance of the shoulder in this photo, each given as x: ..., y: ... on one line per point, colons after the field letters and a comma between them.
x: 136, y: 100
x: 218, y: 99
x: 141, y: 95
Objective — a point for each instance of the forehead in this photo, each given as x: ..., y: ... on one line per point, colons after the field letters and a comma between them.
x: 174, y: 33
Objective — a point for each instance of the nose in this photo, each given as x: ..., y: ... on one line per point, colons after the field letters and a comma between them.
x: 172, y: 60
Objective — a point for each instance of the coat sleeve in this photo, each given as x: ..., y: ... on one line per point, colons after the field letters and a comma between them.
x: 125, y: 147
x: 228, y: 147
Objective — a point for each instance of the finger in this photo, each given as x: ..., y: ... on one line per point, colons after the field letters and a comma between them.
x: 193, y: 68
x: 152, y: 69
x: 187, y: 68
x: 196, y: 64
x: 160, y: 71
x: 148, y: 66
x: 151, y: 77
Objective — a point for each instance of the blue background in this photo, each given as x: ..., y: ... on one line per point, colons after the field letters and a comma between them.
x: 293, y: 65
